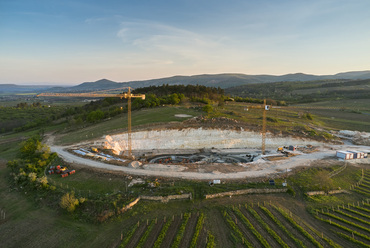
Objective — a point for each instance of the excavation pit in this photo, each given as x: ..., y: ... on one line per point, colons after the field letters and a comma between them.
x: 202, y: 158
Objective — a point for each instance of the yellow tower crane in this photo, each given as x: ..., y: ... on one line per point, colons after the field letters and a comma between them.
x: 266, y: 107
x: 127, y: 95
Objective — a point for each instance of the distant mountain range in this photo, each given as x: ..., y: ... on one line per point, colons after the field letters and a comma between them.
x: 217, y: 80
x: 13, y: 88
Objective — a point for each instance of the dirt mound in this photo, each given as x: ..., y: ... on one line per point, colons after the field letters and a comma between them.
x: 358, y: 138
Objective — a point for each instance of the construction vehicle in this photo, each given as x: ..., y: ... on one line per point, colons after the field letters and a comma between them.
x: 127, y: 95
x: 62, y: 170
x: 265, y: 108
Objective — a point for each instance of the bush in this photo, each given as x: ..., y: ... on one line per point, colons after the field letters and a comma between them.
x: 308, y: 116
x: 208, y: 108
x: 291, y: 191
x: 69, y: 202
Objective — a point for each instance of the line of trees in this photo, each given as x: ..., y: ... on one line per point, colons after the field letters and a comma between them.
x: 189, y: 91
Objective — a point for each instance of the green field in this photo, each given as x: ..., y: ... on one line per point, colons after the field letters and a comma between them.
x: 145, y: 118
x: 32, y: 221
x: 34, y: 218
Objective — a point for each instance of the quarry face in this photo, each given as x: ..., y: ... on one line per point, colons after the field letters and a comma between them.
x: 192, y: 138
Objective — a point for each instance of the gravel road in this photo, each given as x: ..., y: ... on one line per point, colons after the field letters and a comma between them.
x: 257, y: 168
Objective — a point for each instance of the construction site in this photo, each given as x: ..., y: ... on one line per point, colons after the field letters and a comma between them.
x: 199, y: 148
x: 182, y: 162
x: 203, y: 153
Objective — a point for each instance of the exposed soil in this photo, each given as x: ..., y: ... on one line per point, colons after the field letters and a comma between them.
x: 154, y: 234
x: 275, y: 228
x: 137, y: 235
x: 189, y: 231
x: 259, y: 228
x: 202, y: 239
x: 172, y: 231
x: 245, y: 230
x: 218, y: 227
x: 290, y: 227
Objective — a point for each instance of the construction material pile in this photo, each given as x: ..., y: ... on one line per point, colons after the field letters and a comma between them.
x: 358, y: 138
x: 62, y: 170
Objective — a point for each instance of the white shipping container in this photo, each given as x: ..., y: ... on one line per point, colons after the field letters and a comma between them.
x: 344, y: 155
x: 358, y: 154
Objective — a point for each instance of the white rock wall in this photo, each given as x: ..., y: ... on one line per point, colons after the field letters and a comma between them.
x: 197, y: 139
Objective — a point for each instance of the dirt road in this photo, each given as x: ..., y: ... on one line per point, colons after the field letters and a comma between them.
x: 259, y: 168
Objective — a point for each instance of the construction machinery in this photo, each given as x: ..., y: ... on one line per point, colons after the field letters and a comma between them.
x: 126, y: 95
x: 266, y: 107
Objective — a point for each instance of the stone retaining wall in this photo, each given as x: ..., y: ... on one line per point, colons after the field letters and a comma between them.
x: 246, y: 191
x: 167, y: 198
x: 330, y: 192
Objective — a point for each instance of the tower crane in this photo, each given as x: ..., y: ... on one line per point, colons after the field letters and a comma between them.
x: 127, y: 95
x: 266, y: 107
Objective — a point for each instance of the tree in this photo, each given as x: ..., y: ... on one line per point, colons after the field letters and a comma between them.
x: 95, y: 116
x: 323, y: 181
x: 174, y: 99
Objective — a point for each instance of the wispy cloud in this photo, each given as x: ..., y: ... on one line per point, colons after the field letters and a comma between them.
x: 167, y: 42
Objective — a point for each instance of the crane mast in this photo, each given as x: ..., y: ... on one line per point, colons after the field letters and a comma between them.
x: 265, y: 108
x: 127, y: 95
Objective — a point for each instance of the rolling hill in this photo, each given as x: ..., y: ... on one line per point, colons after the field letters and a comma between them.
x: 217, y: 80
x: 223, y: 81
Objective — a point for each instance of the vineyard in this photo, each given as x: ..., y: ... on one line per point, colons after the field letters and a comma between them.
x: 260, y: 224
x: 255, y: 225
x: 186, y: 230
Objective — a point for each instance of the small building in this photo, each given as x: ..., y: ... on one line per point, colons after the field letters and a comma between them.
x: 216, y: 181
x: 357, y: 154
x: 366, y: 153
x: 345, y: 155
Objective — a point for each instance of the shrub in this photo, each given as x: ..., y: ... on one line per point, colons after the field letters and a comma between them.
x: 208, y: 108
x: 69, y: 202
x: 308, y: 116
x: 291, y: 191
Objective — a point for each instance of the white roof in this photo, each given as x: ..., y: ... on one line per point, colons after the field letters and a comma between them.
x: 357, y: 151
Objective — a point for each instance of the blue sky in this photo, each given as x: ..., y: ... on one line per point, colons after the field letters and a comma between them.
x: 70, y: 42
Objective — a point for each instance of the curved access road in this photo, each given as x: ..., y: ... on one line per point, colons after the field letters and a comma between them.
x: 258, y: 168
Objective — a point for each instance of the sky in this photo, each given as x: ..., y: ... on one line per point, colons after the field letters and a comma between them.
x: 73, y: 41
